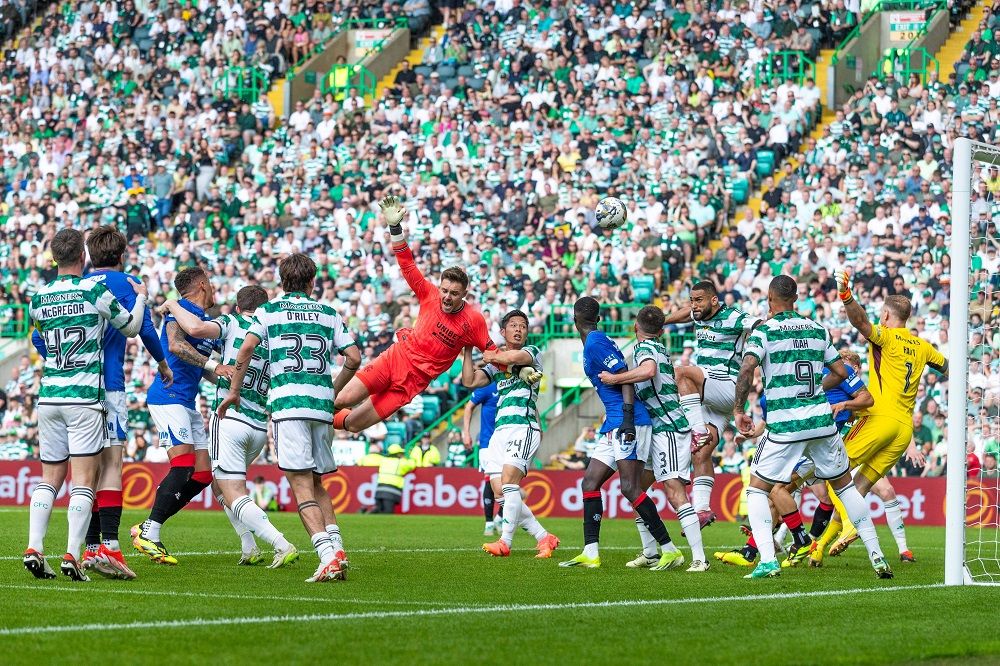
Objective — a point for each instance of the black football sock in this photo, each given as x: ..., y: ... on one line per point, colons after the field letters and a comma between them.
x: 488, y: 498
x: 821, y: 519
x: 93, y: 540
x: 169, y: 493
x: 647, y: 511
x: 593, y: 509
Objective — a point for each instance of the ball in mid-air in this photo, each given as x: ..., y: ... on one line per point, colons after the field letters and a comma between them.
x: 611, y: 213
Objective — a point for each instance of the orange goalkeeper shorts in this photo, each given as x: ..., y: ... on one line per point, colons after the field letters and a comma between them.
x: 392, y: 381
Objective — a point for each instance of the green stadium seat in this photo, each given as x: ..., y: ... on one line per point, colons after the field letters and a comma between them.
x: 432, y: 409
x: 765, y: 163
x: 642, y: 288
x: 393, y: 438
x: 741, y: 191
x: 396, y: 429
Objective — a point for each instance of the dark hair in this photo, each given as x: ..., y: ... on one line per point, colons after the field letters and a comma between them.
x: 651, y: 320
x: 186, y: 278
x: 587, y: 310
x: 297, y: 272
x: 67, y: 247
x: 250, y: 298
x: 106, y: 246
x: 706, y: 286
x: 510, y: 315
x: 784, y: 288
x: 899, y: 306
x: 455, y: 274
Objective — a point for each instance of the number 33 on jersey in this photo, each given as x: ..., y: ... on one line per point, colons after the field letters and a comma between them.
x: 302, y: 337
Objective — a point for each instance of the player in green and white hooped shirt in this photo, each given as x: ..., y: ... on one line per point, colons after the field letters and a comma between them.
x: 652, y: 373
x: 303, y: 337
x: 518, y: 434
x: 238, y: 439
x: 791, y: 352
x: 721, y: 331
x: 71, y: 314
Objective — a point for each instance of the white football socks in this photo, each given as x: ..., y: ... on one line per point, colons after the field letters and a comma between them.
x: 81, y: 501
x: 247, y: 542
x: 324, y: 547
x: 691, y: 404
x: 692, y: 531
x: 760, y: 522
x: 857, y: 513
x: 43, y: 497
x: 338, y: 541
x: 894, y: 517
x: 701, y: 492
x: 511, y: 511
x: 251, y: 516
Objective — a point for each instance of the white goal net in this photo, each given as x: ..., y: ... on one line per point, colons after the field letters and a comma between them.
x: 973, y: 549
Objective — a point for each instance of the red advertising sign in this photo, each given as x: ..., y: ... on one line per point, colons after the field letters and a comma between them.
x: 443, y: 491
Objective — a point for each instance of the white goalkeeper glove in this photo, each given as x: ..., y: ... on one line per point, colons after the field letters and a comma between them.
x: 530, y: 375
x: 843, y: 279
x: 393, y: 213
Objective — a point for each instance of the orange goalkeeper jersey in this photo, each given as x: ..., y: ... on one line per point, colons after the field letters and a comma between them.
x: 438, y: 337
x: 896, y: 360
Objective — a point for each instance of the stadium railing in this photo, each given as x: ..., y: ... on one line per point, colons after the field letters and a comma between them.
x: 784, y: 66
x: 395, y: 22
x: 245, y: 83
x: 899, y: 63
x: 13, y: 321
x: 933, y: 6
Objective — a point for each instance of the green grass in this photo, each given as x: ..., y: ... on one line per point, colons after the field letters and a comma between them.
x: 421, y: 591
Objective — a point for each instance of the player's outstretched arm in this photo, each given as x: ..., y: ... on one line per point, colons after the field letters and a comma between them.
x: 837, y: 374
x: 681, y: 315
x: 183, y: 350
x: 250, y: 343
x: 855, y: 313
x: 641, y: 373
x: 352, y: 361
x: 190, y: 322
x: 508, y: 357
x: 472, y: 378
x: 128, y: 322
x: 393, y: 214
x: 860, y: 400
x: 744, y: 422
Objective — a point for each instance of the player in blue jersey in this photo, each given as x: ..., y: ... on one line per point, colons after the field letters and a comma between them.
x: 626, y: 435
x: 179, y: 424
x: 485, y: 396
x: 848, y: 397
x: 106, y: 247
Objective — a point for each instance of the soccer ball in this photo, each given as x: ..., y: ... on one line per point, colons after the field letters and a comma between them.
x: 611, y: 213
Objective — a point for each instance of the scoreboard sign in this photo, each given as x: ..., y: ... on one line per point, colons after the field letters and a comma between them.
x: 905, y: 26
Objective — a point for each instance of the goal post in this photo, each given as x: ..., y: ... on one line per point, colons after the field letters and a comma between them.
x: 975, y: 538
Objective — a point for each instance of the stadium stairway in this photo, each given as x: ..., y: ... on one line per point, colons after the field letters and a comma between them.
x: 951, y: 51
x: 414, y: 57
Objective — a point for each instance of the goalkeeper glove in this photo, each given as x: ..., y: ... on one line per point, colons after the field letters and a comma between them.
x: 393, y: 213
x: 530, y: 375
x: 627, y: 429
x: 843, y: 278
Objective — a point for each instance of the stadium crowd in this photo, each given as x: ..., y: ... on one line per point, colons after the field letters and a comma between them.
x: 526, y: 113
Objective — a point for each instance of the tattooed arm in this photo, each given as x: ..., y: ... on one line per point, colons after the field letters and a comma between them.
x: 744, y: 422
x: 182, y: 349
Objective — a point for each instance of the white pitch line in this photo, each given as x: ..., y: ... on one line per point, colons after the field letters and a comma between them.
x: 42, y: 587
x: 433, y: 612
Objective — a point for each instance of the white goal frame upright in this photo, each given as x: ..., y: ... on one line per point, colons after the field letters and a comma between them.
x: 965, y: 151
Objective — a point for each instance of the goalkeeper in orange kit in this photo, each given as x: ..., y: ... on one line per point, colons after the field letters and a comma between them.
x: 445, y: 325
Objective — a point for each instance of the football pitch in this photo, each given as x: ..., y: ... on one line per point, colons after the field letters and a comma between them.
x: 420, y: 591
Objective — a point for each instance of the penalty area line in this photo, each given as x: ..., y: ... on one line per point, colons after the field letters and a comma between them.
x: 434, y: 612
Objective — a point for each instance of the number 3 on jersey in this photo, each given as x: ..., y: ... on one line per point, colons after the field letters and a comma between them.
x: 317, y: 348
